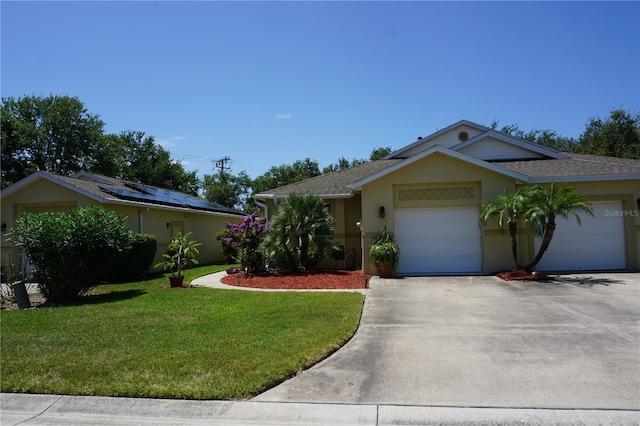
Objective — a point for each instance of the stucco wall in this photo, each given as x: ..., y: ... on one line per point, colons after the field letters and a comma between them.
x: 437, y: 170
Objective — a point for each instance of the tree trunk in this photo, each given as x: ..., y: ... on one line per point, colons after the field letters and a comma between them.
x: 513, y: 231
x: 546, y: 239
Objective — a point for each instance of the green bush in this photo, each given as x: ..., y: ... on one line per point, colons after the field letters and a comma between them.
x: 71, y: 251
x: 130, y: 265
x: 301, y: 234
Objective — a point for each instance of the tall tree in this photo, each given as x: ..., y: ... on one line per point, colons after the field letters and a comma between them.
x: 285, y: 174
x: 548, y: 138
x: 615, y: 136
x: 133, y: 156
x: 228, y: 189
x: 53, y: 133
x: 343, y: 163
x: 57, y: 134
x: 380, y: 152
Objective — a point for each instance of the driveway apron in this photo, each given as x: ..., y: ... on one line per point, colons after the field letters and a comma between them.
x: 483, y: 342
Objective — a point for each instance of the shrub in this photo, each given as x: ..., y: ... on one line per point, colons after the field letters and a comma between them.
x: 180, y: 253
x: 130, y: 265
x: 71, y: 251
x: 302, y: 233
x: 243, y: 242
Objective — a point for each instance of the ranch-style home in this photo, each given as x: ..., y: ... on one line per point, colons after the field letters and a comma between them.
x: 429, y: 195
x: 148, y: 209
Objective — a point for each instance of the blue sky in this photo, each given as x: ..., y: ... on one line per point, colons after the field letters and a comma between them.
x: 269, y: 83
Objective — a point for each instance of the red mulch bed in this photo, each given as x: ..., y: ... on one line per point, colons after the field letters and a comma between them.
x: 313, y: 280
x: 521, y: 275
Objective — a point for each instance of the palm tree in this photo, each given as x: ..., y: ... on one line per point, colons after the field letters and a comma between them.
x: 302, y: 231
x: 543, y: 208
x: 508, y: 208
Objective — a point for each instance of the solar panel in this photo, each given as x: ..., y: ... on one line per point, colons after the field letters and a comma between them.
x: 166, y: 197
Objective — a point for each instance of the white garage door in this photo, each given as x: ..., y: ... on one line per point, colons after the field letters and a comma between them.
x: 596, y: 245
x: 438, y: 240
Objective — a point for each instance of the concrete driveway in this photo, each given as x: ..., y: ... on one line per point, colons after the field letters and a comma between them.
x: 483, y: 342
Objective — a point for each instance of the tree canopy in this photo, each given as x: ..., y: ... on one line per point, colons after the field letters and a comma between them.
x: 615, y: 136
x: 54, y: 134
x: 57, y: 134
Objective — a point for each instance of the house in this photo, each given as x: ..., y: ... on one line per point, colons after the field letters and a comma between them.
x: 148, y: 209
x: 429, y: 195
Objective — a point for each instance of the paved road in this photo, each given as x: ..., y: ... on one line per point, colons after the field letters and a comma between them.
x: 483, y: 342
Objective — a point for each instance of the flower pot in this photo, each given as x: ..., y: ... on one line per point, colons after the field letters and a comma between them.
x: 385, y: 269
x: 176, y: 281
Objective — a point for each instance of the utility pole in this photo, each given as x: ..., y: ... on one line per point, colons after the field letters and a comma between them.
x: 220, y: 163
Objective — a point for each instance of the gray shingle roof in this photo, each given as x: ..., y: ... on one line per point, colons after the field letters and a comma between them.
x: 111, y: 189
x: 334, y: 184
x: 577, y: 165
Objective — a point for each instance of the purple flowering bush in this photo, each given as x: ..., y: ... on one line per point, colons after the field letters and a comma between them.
x: 242, y: 241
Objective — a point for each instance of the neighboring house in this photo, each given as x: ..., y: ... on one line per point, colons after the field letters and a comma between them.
x: 429, y: 195
x: 148, y: 209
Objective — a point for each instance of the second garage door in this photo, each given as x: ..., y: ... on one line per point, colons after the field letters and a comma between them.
x: 596, y: 245
x: 438, y: 240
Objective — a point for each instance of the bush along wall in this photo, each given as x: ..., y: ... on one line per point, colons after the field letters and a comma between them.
x: 132, y: 264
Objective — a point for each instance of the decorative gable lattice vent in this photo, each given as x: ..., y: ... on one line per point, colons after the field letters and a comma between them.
x: 427, y: 194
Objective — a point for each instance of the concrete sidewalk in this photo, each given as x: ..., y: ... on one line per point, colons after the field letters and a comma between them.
x: 20, y: 409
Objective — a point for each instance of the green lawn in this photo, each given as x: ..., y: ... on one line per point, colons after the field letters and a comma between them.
x: 147, y: 340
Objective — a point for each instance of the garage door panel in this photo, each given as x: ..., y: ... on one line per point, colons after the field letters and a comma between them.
x: 438, y: 240
x: 598, y: 244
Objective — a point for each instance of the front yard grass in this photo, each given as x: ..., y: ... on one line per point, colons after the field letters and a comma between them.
x: 146, y: 340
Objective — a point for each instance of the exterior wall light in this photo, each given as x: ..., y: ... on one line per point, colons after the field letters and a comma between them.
x: 381, y: 212
x: 3, y: 227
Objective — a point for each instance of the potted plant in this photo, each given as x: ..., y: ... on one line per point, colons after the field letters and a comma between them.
x: 385, y: 254
x: 180, y: 253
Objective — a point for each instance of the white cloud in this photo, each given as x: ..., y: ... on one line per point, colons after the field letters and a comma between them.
x: 167, y: 143
x: 283, y: 116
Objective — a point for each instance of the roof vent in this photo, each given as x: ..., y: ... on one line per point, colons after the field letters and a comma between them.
x: 419, y: 138
x: 463, y: 136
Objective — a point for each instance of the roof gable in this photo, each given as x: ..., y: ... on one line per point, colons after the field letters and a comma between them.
x: 478, y: 141
x: 63, y: 181
x: 447, y: 137
x: 443, y: 150
x: 496, y: 146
